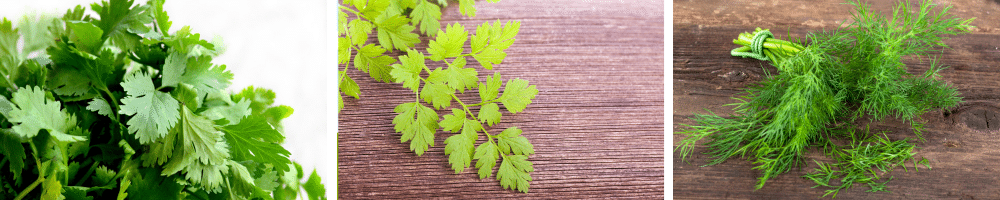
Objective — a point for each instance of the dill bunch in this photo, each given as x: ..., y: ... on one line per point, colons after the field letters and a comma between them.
x: 841, y: 75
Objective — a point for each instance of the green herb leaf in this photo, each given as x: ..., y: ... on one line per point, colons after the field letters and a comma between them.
x: 517, y: 94
x: 153, y: 112
x: 418, y: 124
x: 514, y: 171
x: 449, y: 44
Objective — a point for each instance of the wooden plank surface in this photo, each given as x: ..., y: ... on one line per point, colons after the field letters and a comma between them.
x: 962, y: 143
x: 597, y: 123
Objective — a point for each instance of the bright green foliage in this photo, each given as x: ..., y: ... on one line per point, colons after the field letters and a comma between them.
x: 395, y: 32
x: 517, y: 95
x: 153, y: 111
x: 855, y: 164
x: 33, y: 112
x: 490, y: 41
x: 449, y: 44
x: 370, y: 60
x: 467, y: 7
x: 441, y: 87
x: 860, y: 64
x: 514, y: 173
x: 427, y: 15
x: 417, y: 123
x: 119, y: 107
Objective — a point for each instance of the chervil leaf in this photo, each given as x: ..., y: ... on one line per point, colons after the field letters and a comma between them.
x: 395, y: 32
x: 417, y: 123
x: 449, y: 44
x: 491, y: 88
x: 13, y: 151
x: 33, y: 112
x: 254, y: 139
x: 358, y: 31
x: 453, y: 122
x: 517, y: 94
x: 314, y: 187
x: 486, y: 158
x: 427, y: 16
x: 460, y: 147
x: 409, y: 72
x: 490, y: 41
x: 369, y: 59
x: 344, y: 50
x: 437, y: 94
x: 489, y: 113
x: 153, y: 112
x: 467, y: 7
x: 349, y: 87
x: 511, y: 141
x: 457, y: 77
x: 514, y: 171
x: 371, y: 9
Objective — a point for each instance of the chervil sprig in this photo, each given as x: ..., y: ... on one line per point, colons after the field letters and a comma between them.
x: 439, y: 87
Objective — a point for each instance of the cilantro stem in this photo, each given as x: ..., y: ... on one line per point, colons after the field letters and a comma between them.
x: 41, y: 177
x: 195, y: 193
x: 93, y: 167
x: 9, y: 82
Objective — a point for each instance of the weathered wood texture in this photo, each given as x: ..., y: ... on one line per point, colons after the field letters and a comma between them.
x: 597, y: 123
x: 962, y: 143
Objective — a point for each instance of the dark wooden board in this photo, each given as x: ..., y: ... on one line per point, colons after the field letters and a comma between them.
x: 962, y: 146
x: 597, y: 123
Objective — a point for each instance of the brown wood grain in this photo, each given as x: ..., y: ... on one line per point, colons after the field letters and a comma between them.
x: 597, y: 123
x: 961, y: 145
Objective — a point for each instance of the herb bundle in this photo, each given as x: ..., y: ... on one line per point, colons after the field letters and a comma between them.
x: 419, y: 123
x: 840, y: 76
x: 116, y: 106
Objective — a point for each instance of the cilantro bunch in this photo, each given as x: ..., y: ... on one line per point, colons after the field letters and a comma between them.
x: 395, y: 21
x: 841, y: 76
x: 116, y: 106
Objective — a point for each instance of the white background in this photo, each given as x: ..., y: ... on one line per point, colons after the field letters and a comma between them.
x: 269, y: 44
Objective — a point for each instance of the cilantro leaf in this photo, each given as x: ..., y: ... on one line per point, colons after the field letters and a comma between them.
x: 121, y: 22
x: 87, y: 36
x: 514, y: 171
x: 417, y: 123
x: 254, y: 139
x: 33, y: 112
x: 232, y: 114
x: 486, y: 158
x: 437, y: 94
x: 103, y: 175
x: 489, y: 113
x: 69, y: 82
x: 490, y: 41
x: 369, y: 59
x: 148, y: 183
x: 457, y: 77
x: 202, y: 153
x: 427, y: 16
x: 395, y: 32
x: 409, y: 72
x: 52, y: 189
x: 449, y: 44
x: 511, y: 141
x: 517, y: 94
x: 153, y: 112
x: 204, y: 77
x: 13, y: 151
x: 162, y: 20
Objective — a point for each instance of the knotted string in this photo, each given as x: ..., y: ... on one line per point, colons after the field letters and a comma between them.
x: 756, y: 46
